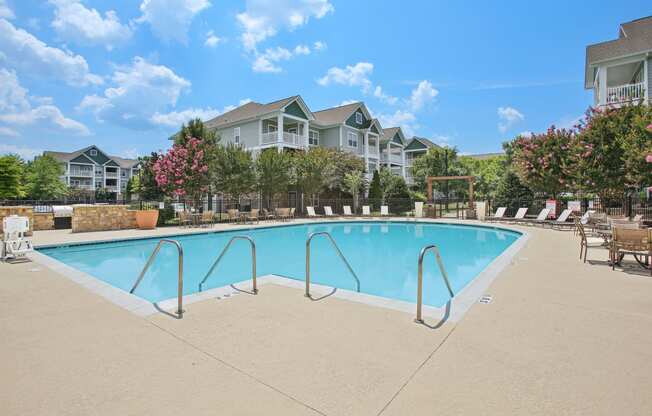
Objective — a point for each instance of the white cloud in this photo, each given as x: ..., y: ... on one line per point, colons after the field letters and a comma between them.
x: 75, y: 23
x: 5, y: 11
x: 401, y: 118
x: 8, y: 132
x: 177, y: 118
x: 22, y: 50
x: 508, y: 117
x: 139, y: 90
x: 24, y: 152
x: 16, y: 109
x: 422, y: 94
x: 268, y: 60
x: 319, y: 45
x: 131, y: 153
x: 352, y: 75
x: 347, y: 102
x: 211, y: 39
x: 263, y: 18
x: 380, y: 94
x: 301, y: 50
x: 171, y: 19
x: 525, y: 133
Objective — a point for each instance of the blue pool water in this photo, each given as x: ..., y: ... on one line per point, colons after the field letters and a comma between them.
x: 384, y: 256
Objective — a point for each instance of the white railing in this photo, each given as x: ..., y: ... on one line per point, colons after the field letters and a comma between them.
x: 81, y: 172
x: 625, y: 93
x: 289, y: 138
x: 392, y: 158
x: 271, y: 137
x: 373, y: 151
x: 112, y: 175
x: 86, y: 187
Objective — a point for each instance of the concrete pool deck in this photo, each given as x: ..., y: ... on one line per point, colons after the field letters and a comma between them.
x: 560, y: 337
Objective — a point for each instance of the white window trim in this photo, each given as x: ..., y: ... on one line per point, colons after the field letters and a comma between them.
x: 93, y: 152
x: 314, y: 136
x: 348, y: 139
x: 358, y: 117
x: 236, y: 135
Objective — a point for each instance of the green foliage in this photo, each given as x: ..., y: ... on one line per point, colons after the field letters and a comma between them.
x: 273, y: 172
x: 438, y: 161
x: 147, y: 188
x: 103, y: 194
x: 354, y: 182
x: 314, y: 170
x: 12, y: 169
x: 195, y: 128
x: 510, y: 192
x: 233, y: 171
x: 43, y: 178
x: 344, y: 163
x: 488, y: 174
x: 374, y: 189
x: 390, y: 185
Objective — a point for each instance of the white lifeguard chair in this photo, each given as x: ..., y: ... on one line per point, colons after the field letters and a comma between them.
x: 15, y: 243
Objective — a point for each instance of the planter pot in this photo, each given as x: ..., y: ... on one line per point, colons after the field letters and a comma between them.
x: 146, y: 220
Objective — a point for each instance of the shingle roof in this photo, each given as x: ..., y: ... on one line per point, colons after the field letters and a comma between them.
x: 424, y: 141
x: 68, y: 156
x: 388, y: 134
x: 633, y: 37
x: 247, y: 111
x: 335, y: 115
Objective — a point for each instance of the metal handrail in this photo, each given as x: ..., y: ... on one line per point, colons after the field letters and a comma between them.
x: 424, y: 250
x: 253, y: 260
x: 180, y: 272
x: 327, y: 234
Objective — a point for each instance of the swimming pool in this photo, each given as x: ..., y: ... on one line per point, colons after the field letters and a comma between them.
x: 383, y: 255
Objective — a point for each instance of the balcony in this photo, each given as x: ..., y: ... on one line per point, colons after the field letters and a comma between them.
x: 288, y: 138
x: 85, y: 187
x: 81, y: 173
x: 626, y: 93
x: 392, y: 158
x: 111, y: 175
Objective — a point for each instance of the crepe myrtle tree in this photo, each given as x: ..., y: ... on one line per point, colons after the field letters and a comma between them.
x: 183, y: 171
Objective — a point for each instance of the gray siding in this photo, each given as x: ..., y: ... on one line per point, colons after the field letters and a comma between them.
x: 649, y: 81
x: 345, y: 142
x: 249, y: 134
x: 329, y: 137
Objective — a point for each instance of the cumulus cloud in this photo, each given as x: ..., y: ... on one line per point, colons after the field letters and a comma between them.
x: 171, y: 19
x: 263, y: 19
x: 27, y: 153
x: 76, y: 23
x: 5, y: 11
x: 380, y: 94
x: 17, y: 111
x: 23, y: 51
x: 268, y: 60
x: 352, y: 75
x: 422, y: 94
x: 508, y: 116
x: 406, y: 120
x: 177, y: 118
x: 211, y: 39
x: 8, y: 132
x: 138, y: 91
x: 319, y: 45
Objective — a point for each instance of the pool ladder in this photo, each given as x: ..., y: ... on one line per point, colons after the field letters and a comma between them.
x: 219, y: 258
x: 179, y: 276
x: 339, y: 252
x: 419, y: 318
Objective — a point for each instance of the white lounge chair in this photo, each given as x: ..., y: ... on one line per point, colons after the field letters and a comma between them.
x: 328, y: 211
x: 562, y: 220
x: 540, y: 219
x: 15, y: 244
x: 384, y: 211
x: 311, y: 212
x: 366, y: 212
x: 500, y: 213
x: 520, y: 214
x: 347, y: 211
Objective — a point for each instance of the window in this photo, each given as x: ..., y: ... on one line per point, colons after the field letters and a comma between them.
x: 352, y: 139
x: 313, y: 138
x: 236, y: 135
x: 93, y: 152
x: 358, y: 117
x: 271, y: 128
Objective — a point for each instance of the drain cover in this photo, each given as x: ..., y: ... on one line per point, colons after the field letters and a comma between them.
x: 486, y: 299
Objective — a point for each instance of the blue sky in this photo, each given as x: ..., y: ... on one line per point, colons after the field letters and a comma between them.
x: 124, y: 75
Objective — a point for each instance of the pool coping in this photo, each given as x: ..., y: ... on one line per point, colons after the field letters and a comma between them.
x: 454, y: 311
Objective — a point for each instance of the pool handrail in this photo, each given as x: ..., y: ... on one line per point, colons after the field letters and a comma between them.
x: 435, y: 249
x: 339, y: 252
x: 150, y: 260
x: 253, y: 261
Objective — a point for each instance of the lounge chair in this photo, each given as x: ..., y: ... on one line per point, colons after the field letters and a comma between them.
x: 266, y: 215
x: 366, y: 211
x: 184, y: 219
x: 586, y: 242
x: 328, y: 211
x: 233, y: 215
x: 540, y: 219
x: 253, y: 215
x: 283, y: 214
x: 520, y: 215
x: 291, y: 213
x: 561, y: 221
x: 15, y: 243
x: 207, y: 218
x: 347, y: 211
x: 500, y: 213
x: 384, y: 211
x: 311, y: 212
x: 637, y: 242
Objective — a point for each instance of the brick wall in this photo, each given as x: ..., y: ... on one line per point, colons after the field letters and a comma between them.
x: 21, y: 212
x: 43, y: 221
x: 102, y: 218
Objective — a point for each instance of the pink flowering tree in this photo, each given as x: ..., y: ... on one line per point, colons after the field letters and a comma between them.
x: 546, y: 162
x: 184, y: 170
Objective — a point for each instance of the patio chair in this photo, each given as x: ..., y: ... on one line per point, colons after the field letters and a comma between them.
x: 586, y: 242
x: 520, y: 215
x: 291, y: 213
x: 384, y: 211
x: 328, y: 211
x: 208, y: 218
x: 233, y: 215
x: 637, y: 242
x: 266, y: 215
x: 500, y: 213
x: 253, y: 215
x: 283, y: 214
x: 347, y: 211
x: 184, y: 219
x: 15, y: 243
x: 366, y: 211
x: 540, y: 219
x: 561, y: 221
x: 311, y: 212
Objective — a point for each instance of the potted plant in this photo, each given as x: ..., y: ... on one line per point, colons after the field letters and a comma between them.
x: 146, y: 219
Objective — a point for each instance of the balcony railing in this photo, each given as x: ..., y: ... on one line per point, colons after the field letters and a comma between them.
x: 81, y: 173
x: 392, y: 158
x: 289, y: 138
x: 112, y: 175
x: 85, y: 187
x: 626, y: 93
x: 373, y: 152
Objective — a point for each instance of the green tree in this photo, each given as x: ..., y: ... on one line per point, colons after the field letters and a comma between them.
x: 438, y: 161
x: 512, y: 193
x: 354, y: 182
x: 43, y: 178
x: 344, y: 163
x: 12, y: 169
x: 273, y: 172
x: 313, y: 170
x: 374, y: 189
x: 196, y: 128
x: 390, y: 184
x: 233, y: 171
x: 488, y: 173
x: 148, y: 188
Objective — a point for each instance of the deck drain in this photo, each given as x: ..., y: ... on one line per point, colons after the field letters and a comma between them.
x: 486, y: 299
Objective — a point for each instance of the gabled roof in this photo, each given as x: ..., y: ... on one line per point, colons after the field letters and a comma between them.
x: 426, y: 143
x: 633, y: 38
x: 68, y: 156
x: 339, y: 115
x: 390, y: 132
x: 252, y: 110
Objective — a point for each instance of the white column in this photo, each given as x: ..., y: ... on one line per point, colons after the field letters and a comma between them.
x: 341, y: 144
x: 306, y: 132
x: 68, y: 175
x: 279, y: 131
x: 389, y: 154
x: 378, y: 148
x: 260, y: 132
x: 646, y: 79
x: 403, y: 162
x: 366, y: 150
x: 602, y: 85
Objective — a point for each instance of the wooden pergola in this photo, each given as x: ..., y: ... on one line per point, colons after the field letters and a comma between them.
x: 470, y: 179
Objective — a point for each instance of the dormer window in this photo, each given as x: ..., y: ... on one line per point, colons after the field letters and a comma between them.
x: 358, y: 117
x: 93, y: 152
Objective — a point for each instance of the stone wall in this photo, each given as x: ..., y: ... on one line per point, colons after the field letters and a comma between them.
x: 102, y: 218
x: 21, y: 212
x: 43, y: 221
